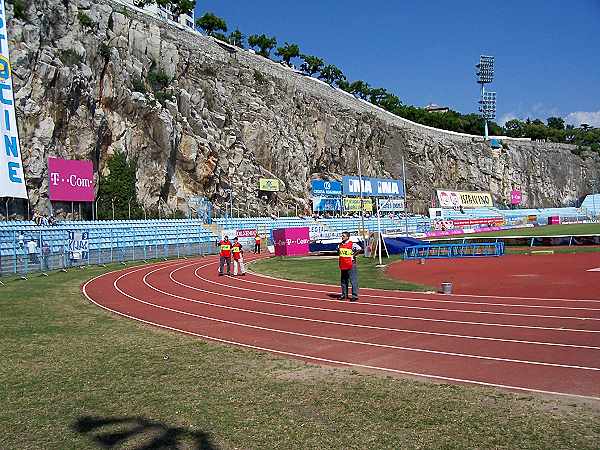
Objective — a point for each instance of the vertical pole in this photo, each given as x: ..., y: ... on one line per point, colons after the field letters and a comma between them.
x: 405, y: 195
x: 72, y: 210
x: 484, y: 118
x: 362, y: 214
x: 379, y: 236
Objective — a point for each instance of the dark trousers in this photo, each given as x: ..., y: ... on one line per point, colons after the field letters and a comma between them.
x: 257, y: 248
x: 350, y: 277
x: 222, y: 261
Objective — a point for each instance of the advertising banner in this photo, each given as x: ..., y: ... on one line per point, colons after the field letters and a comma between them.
x: 79, y: 245
x: 468, y: 223
x: 291, y: 241
x: 70, y: 180
x: 246, y: 237
x: 268, y: 184
x: 373, y: 187
x: 327, y: 204
x: 466, y: 199
x: 323, y: 187
x: 516, y: 197
x: 391, y: 204
x: 12, y: 178
x: 353, y: 204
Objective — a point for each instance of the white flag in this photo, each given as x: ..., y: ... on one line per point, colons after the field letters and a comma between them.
x: 12, y: 179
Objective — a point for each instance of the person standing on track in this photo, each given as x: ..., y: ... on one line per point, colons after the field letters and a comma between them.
x: 257, y: 243
x: 347, y: 252
x: 238, y: 257
x: 225, y: 255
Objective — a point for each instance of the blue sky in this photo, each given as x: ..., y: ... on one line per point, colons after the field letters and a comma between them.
x: 547, y: 52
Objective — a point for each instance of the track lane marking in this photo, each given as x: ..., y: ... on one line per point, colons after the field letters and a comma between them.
x: 325, y: 360
x: 327, y: 338
x: 260, y: 275
x: 421, y: 308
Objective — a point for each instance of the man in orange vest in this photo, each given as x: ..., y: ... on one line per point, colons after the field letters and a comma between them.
x: 347, y: 252
x: 224, y: 255
x: 257, y: 243
x: 238, y: 257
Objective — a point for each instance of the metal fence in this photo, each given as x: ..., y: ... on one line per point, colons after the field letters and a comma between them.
x: 23, y: 258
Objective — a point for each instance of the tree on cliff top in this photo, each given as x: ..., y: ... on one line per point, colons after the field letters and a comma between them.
x: 332, y: 75
x: 211, y: 23
x: 311, y: 64
x: 287, y: 52
x: 177, y: 7
x: 263, y: 42
x: 237, y: 38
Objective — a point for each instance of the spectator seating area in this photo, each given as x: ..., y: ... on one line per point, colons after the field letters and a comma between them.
x: 591, y: 205
x: 352, y: 224
x: 106, y: 234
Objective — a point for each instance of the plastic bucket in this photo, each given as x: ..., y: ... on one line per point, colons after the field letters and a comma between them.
x: 446, y: 288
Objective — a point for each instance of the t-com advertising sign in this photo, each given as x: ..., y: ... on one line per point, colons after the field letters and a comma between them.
x: 455, y: 199
x: 268, y: 184
x: 516, y: 197
x: 291, y: 241
x: 12, y: 179
x: 70, y: 180
x: 373, y: 187
x: 323, y: 187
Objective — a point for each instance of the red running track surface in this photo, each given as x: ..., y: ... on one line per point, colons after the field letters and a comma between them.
x: 544, y: 276
x: 537, y: 345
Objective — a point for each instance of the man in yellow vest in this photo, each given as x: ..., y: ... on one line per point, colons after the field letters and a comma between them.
x: 224, y: 256
x: 347, y: 252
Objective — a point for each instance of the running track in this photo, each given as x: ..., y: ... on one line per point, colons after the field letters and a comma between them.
x: 528, y: 344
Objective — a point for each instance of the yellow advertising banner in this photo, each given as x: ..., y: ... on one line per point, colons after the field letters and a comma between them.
x: 352, y: 204
x: 268, y: 184
x: 454, y: 199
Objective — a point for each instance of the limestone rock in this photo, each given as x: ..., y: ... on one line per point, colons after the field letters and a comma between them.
x: 235, y: 118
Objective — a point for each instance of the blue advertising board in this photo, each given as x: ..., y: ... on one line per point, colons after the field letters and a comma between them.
x: 373, y: 187
x: 327, y: 203
x: 324, y: 187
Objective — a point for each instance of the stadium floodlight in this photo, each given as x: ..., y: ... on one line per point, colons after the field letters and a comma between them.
x: 487, y: 105
x: 485, y: 69
x: 487, y: 102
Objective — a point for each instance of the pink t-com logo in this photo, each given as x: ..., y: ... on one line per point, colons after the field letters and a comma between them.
x: 70, y: 180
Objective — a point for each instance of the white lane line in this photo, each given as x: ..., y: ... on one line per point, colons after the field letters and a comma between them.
x: 426, y: 319
x: 331, y: 361
x: 421, y: 308
x: 597, y: 269
x: 346, y: 324
x: 260, y: 275
x: 332, y: 339
x: 419, y: 299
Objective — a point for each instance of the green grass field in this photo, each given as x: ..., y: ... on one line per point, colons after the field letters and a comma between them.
x: 326, y: 271
x: 548, y: 230
x: 72, y: 372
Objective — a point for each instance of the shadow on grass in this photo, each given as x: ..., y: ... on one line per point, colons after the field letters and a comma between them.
x: 140, y: 434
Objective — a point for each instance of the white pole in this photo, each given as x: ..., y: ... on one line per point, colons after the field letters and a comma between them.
x: 362, y: 214
x: 380, y: 237
x: 405, y: 195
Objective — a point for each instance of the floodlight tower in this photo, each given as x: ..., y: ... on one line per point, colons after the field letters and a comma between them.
x: 487, y: 103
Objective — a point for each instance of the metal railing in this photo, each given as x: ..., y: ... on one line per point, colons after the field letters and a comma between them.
x: 454, y: 250
x: 22, y: 257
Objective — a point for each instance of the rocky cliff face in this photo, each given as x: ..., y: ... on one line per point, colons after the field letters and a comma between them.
x: 225, y: 118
